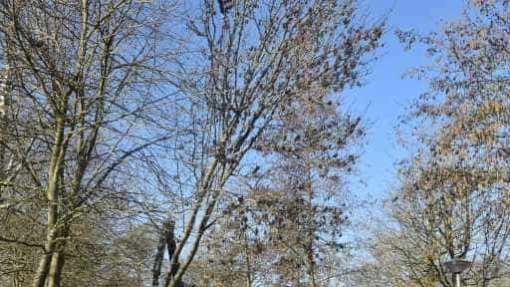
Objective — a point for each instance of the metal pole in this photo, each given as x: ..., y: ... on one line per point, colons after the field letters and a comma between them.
x: 457, y: 277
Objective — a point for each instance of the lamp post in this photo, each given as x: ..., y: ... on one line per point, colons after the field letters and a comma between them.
x: 456, y: 267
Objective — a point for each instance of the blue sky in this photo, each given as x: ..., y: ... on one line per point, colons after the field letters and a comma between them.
x: 386, y: 95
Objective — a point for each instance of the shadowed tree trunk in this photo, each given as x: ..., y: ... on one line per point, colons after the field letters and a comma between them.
x: 166, y: 239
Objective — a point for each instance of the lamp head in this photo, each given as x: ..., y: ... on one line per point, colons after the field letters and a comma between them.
x: 457, y: 265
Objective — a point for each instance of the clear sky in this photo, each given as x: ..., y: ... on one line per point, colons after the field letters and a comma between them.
x: 386, y: 95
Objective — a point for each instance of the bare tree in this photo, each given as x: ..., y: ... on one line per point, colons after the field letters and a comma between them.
x: 244, y: 68
x: 85, y: 75
x: 117, y: 112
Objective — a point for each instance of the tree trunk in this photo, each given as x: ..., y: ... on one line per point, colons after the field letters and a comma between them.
x: 42, y: 271
x: 311, y: 230
x: 52, y: 197
x: 166, y: 239
x: 171, y: 245
x: 55, y: 272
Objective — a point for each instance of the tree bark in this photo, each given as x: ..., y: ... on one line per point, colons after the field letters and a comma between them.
x: 166, y: 239
x: 55, y: 272
x: 52, y: 197
x: 311, y: 230
x: 171, y: 247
